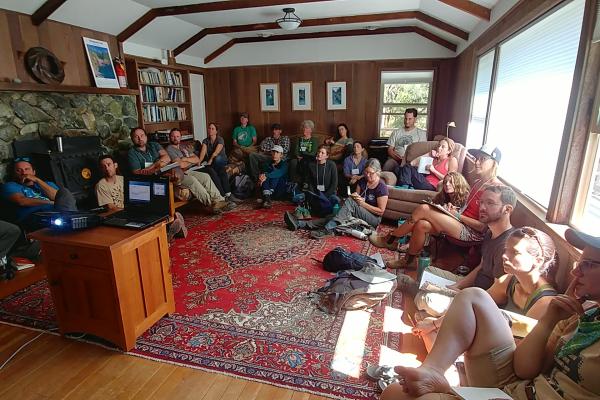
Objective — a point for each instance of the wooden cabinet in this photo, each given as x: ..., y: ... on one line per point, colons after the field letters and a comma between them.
x: 113, y: 283
x: 165, y: 100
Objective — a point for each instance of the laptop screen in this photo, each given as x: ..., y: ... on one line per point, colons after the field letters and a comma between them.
x: 147, y: 193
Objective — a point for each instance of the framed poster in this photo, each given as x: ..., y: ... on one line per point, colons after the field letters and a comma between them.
x: 301, y: 96
x: 336, y: 95
x: 269, y: 97
x: 98, y: 55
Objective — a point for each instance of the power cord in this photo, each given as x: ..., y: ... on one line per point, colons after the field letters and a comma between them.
x: 19, y: 349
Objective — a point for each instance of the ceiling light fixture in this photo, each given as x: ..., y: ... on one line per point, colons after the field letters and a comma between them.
x: 290, y: 21
x: 265, y: 34
x: 372, y: 27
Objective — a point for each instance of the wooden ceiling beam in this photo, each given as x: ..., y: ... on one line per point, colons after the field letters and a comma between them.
x: 227, y: 5
x: 137, y: 25
x: 471, y: 8
x: 317, y: 35
x: 45, y: 10
x: 367, y: 18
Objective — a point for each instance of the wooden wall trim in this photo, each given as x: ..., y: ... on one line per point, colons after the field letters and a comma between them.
x: 470, y: 8
x: 45, y: 10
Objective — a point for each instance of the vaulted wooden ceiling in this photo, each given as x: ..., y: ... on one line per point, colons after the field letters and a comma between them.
x: 206, y: 29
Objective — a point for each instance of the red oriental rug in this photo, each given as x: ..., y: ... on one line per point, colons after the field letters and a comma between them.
x: 241, y: 284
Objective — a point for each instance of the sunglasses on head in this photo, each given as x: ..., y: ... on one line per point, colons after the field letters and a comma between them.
x: 19, y: 159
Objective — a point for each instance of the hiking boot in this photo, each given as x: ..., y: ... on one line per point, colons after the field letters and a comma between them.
x: 321, y: 234
x: 382, y: 241
x: 267, y: 203
x: 231, y: 197
x: 290, y: 221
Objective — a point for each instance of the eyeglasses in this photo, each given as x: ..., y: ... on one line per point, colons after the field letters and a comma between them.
x: 532, y: 233
x: 587, y: 265
x: 20, y: 159
x: 482, y: 158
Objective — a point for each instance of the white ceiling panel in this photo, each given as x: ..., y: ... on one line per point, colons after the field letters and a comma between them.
x: 168, y: 3
x: 207, y: 45
x: 100, y: 15
x: 22, y: 6
x: 165, y: 33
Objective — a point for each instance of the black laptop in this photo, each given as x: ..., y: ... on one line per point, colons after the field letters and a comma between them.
x: 146, y: 202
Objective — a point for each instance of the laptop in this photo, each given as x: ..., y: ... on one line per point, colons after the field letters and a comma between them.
x: 146, y: 202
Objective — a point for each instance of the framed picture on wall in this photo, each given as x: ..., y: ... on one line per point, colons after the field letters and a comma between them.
x: 336, y: 95
x: 269, y: 97
x: 301, y: 96
x: 98, y: 55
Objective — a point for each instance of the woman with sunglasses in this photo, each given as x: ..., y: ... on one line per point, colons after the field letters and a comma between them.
x: 463, y: 224
x: 559, y: 359
x: 527, y: 287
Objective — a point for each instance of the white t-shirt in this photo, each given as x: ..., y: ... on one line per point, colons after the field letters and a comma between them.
x: 400, y: 139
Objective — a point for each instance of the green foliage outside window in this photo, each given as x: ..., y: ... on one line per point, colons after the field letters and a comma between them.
x: 397, y: 97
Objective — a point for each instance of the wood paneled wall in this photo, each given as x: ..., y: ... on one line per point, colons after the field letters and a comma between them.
x: 466, y: 64
x: 18, y: 34
x: 233, y: 90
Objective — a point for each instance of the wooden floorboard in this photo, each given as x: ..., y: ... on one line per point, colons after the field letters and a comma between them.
x: 53, y: 367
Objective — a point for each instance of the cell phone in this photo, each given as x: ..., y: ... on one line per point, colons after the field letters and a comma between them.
x: 349, y: 192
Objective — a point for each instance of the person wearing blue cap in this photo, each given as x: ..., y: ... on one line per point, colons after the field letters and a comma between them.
x: 461, y: 224
x: 558, y: 359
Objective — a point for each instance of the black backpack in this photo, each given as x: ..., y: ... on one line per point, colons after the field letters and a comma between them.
x: 340, y: 259
x: 243, y: 186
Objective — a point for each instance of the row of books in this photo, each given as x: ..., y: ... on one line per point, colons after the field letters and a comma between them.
x: 154, y: 113
x: 153, y: 76
x: 163, y: 135
x: 162, y: 94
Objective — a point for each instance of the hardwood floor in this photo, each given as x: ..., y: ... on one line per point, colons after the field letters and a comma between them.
x: 52, y: 367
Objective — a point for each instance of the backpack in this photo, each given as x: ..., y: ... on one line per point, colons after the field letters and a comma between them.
x: 243, y: 187
x: 347, y: 291
x: 340, y: 259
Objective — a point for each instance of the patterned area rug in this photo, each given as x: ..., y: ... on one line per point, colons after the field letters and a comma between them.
x: 241, y: 286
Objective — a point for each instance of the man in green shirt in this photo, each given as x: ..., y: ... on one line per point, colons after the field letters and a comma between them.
x: 244, y: 135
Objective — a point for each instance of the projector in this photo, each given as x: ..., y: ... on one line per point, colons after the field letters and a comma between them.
x: 69, y: 220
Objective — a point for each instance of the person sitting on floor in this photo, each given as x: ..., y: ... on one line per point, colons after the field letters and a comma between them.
x: 441, y: 164
x: 463, y: 225
x: 558, y: 359
x: 526, y: 288
x: 273, y: 178
x: 264, y: 156
x: 320, y: 183
x: 354, y: 165
x: 341, y: 144
x: 213, y: 152
x: 28, y: 194
x: 306, y: 148
x: 109, y: 189
x: 367, y: 203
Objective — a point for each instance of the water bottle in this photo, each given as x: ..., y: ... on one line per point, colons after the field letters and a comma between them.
x: 336, y: 209
x: 358, y: 234
x: 423, y: 262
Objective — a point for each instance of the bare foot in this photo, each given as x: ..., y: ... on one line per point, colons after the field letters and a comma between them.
x: 423, y: 380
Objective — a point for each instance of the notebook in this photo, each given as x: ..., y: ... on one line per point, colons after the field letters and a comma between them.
x: 146, y: 203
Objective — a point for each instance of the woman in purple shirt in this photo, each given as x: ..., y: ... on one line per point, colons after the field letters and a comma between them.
x: 354, y: 166
x: 368, y: 203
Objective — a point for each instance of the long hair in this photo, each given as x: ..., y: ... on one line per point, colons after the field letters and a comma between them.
x: 461, y: 190
x: 337, y: 131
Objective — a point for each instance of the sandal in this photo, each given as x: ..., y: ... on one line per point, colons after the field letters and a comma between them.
x: 377, y: 372
x: 383, y: 382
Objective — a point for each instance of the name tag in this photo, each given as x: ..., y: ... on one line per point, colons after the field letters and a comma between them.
x: 302, y: 148
x: 147, y: 164
x: 321, y: 188
x: 355, y: 171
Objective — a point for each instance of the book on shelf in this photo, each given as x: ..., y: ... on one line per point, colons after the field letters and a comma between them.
x: 21, y: 263
x: 154, y: 113
x: 155, y: 76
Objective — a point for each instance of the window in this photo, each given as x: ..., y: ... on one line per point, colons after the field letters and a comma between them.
x: 481, y: 97
x: 402, y: 90
x: 529, y: 99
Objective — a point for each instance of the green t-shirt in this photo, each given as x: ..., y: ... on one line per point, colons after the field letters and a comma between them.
x: 243, y: 136
x: 307, y: 146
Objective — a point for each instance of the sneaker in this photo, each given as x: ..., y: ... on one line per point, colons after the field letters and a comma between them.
x: 231, y: 197
x: 306, y: 213
x: 174, y: 227
x: 382, y: 241
x: 290, y: 221
x: 299, y: 212
x: 267, y: 203
x: 184, y: 230
x: 229, y: 205
x: 321, y: 234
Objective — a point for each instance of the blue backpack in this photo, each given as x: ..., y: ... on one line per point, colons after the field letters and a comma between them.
x: 340, y: 259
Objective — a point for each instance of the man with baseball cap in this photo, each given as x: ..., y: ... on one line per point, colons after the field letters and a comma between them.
x: 264, y: 154
x: 244, y: 135
x: 487, y: 150
x: 274, y: 176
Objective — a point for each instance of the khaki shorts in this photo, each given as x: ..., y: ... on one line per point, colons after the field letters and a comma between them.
x: 492, y: 369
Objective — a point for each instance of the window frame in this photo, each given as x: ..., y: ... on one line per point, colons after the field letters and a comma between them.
x: 430, y: 96
x: 569, y: 168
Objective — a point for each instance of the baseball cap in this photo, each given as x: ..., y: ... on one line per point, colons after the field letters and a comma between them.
x: 581, y: 240
x: 277, y: 148
x: 489, y: 150
x: 275, y: 126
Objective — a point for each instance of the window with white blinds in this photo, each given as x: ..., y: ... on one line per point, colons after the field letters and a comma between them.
x: 480, y: 100
x: 530, y: 98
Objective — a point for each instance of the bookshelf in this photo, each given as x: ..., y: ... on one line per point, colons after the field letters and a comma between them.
x: 165, y: 100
